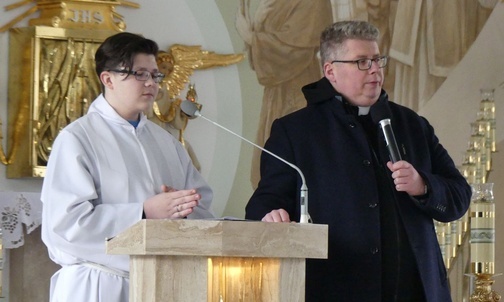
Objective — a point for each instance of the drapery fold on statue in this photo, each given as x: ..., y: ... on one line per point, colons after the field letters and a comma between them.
x: 282, y: 41
x: 445, y: 47
x: 285, y: 29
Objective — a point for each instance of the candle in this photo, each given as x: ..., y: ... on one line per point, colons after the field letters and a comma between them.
x: 482, y: 229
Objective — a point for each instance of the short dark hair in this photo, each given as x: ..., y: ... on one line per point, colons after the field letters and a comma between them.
x: 121, y: 49
x: 333, y: 37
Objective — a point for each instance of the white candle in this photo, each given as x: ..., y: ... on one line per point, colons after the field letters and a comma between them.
x: 483, y: 230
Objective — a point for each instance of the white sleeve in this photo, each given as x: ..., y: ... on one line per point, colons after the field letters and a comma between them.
x: 75, y: 223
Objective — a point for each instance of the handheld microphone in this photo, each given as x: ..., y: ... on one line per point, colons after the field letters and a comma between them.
x: 191, y: 110
x: 390, y: 140
x: 380, y: 113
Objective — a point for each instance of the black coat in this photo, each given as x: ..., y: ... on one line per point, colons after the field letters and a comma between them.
x: 330, y: 147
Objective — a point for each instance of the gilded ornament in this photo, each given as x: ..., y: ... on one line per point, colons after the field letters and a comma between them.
x: 483, y: 291
x: 178, y: 64
x: 180, y: 61
x: 89, y: 14
x: 57, y: 55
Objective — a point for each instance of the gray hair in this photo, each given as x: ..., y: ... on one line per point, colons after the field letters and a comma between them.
x: 333, y: 37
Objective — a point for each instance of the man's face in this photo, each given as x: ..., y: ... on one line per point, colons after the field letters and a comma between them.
x: 129, y: 96
x: 359, y: 87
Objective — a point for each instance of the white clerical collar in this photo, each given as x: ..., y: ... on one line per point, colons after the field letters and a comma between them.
x: 363, y: 110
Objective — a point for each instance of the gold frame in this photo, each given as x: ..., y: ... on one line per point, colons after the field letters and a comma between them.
x: 33, y: 123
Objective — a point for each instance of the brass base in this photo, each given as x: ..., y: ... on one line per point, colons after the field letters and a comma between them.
x: 483, y: 289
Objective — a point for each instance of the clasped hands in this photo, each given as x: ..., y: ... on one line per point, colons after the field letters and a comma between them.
x: 171, y: 203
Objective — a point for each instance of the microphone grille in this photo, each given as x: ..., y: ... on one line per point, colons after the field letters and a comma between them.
x: 189, y: 108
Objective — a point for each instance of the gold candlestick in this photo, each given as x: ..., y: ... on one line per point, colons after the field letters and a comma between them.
x: 483, y: 291
x: 483, y: 243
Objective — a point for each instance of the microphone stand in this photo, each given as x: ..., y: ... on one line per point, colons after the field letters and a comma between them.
x: 304, y: 217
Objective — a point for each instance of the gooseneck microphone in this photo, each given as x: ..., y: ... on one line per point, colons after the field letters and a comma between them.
x: 380, y: 113
x: 191, y: 110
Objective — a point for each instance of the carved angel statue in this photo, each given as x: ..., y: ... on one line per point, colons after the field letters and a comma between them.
x: 178, y: 64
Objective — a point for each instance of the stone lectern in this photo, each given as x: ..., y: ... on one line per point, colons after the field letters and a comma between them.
x: 218, y: 260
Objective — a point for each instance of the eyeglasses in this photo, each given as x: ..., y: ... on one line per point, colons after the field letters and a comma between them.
x: 142, y: 75
x: 365, y: 64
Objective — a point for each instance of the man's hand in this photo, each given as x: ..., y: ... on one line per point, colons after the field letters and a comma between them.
x: 279, y: 215
x: 171, y: 203
x: 406, y: 178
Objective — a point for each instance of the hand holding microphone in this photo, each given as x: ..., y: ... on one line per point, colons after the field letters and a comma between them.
x: 406, y: 177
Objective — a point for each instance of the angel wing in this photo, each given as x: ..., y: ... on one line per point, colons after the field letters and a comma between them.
x: 180, y: 61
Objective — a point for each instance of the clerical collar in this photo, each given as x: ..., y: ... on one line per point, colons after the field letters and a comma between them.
x: 363, y: 110
x: 355, y: 110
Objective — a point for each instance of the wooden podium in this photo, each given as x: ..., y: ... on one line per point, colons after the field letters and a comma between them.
x: 219, y: 260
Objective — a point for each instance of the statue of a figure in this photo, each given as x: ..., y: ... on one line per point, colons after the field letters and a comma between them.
x: 282, y: 41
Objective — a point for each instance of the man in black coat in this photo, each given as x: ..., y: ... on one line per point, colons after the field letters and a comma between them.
x: 382, y: 242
